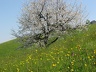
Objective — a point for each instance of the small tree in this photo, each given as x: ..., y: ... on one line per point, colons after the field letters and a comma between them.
x: 42, y: 19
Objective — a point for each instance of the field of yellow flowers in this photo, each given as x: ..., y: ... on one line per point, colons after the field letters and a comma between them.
x: 74, y: 52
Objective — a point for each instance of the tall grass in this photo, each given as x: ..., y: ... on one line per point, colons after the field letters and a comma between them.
x: 74, y: 52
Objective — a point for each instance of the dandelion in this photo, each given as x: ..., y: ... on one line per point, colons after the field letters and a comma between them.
x: 36, y: 50
x: 85, y: 65
x: 88, y: 57
x: 94, y: 51
x: 94, y: 63
x: 35, y: 63
x: 68, y: 55
x: 72, y: 70
x: 68, y: 67
x: 72, y: 63
x: 92, y: 56
x: 58, y: 62
x: 71, y: 48
x: 53, y: 65
x: 40, y: 58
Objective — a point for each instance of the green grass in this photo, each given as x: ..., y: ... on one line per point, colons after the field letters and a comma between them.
x: 74, y: 52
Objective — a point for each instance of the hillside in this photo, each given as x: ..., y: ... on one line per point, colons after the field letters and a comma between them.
x: 74, y: 52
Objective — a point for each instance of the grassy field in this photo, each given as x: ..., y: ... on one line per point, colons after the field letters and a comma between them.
x: 74, y: 52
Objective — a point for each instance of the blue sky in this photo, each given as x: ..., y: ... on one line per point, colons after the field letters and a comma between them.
x: 90, y: 8
x: 10, y: 11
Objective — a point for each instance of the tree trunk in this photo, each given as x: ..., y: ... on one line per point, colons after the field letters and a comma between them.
x: 53, y: 41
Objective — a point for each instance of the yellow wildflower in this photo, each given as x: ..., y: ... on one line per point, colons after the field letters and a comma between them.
x: 72, y: 70
x: 85, y: 65
x: 88, y: 57
x: 92, y: 56
x: 36, y: 50
x: 68, y: 55
x: 68, y: 67
x: 94, y: 51
x: 53, y: 65
x: 58, y: 62
x: 72, y: 63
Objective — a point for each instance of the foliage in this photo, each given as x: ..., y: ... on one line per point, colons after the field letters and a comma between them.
x: 87, y: 21
x: 93, y: 22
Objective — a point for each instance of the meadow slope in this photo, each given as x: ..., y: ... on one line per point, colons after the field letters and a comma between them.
x: 73, y: 52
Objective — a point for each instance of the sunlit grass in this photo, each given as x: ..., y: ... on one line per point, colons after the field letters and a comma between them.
x: 75, y: 52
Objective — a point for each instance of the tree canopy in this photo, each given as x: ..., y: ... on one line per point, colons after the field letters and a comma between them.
x: 43, y: 19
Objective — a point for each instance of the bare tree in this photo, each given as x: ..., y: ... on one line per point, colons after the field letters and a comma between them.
x: 42, y: 19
